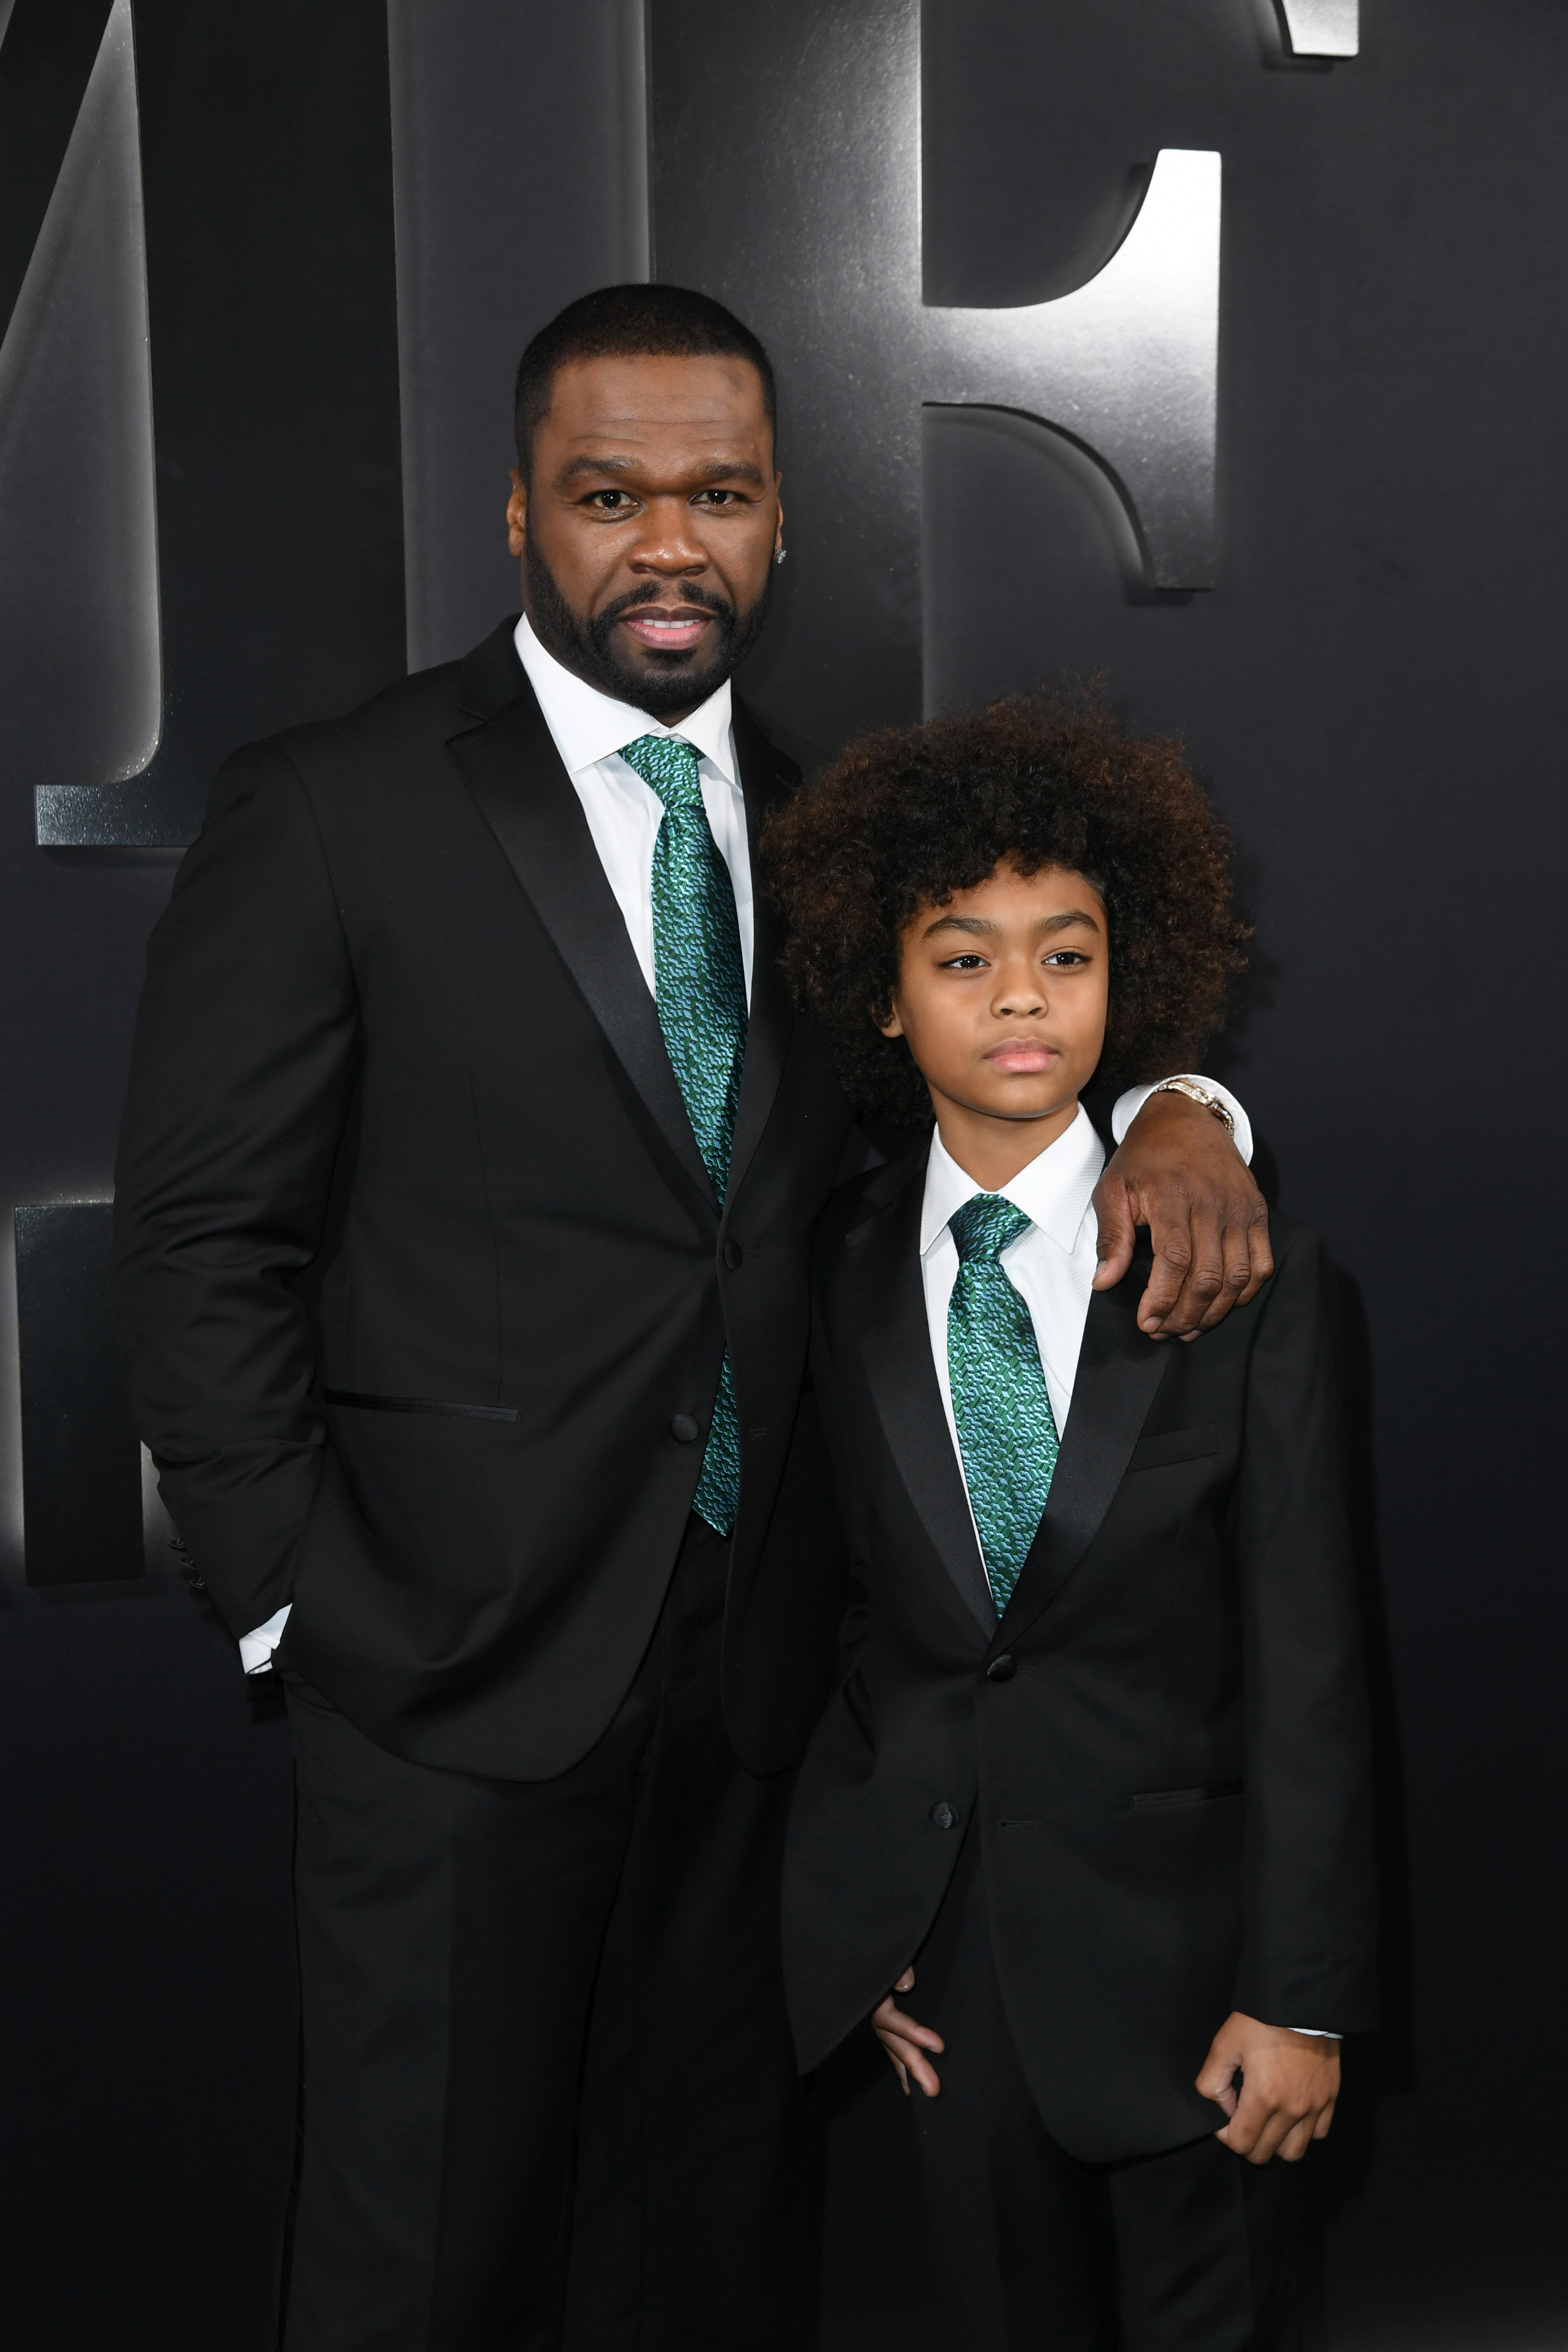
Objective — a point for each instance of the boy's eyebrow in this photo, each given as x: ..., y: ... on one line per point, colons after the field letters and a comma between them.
x: 977, y: 926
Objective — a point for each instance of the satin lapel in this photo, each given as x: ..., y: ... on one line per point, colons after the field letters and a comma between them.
x: 887, y: 1300
x: 1118, y: 1372
x: 766, y: 777
x: 512, y: 769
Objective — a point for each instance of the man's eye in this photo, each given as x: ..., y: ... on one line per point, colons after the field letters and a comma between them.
x: 715, y: 497
x: 609, y: 501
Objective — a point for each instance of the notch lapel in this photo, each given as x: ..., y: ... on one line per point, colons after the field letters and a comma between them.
x: 1118, y: 1369
x: 765, y: 776
x: 887, y: 1300
x: 512, y: 766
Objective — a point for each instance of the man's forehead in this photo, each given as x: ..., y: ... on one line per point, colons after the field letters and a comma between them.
x: 634, y: 400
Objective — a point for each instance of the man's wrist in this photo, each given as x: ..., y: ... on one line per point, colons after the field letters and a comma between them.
x: 1130, y: 1104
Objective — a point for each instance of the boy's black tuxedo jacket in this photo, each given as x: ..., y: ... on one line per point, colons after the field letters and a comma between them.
x: 1162, y: 1746
x: 422, y: 1289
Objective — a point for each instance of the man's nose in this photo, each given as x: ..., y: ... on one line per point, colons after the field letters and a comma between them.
x: 667, y: 544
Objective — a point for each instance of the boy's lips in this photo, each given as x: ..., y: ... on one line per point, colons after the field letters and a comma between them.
x: 675, y: 632
x: 1022, y: 1055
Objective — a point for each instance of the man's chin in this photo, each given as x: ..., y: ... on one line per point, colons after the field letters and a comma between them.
x: 669, y: 682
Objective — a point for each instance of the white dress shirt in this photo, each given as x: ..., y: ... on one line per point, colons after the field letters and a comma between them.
x: 624, y: 814
x: 1051, y: 1264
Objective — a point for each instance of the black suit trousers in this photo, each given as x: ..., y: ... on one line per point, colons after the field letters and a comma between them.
x: 1189, y: 2251
x: 549, y: 2096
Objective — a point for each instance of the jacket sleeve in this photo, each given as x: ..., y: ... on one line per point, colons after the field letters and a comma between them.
x: 242, y: 1072
x: 1309, y: 1950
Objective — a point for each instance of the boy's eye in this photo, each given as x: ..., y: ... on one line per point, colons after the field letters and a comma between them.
x: 968, y: 961
x: 1066, y: 956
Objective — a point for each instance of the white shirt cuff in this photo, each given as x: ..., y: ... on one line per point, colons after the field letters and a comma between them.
x: 256, y: 1648
x: 1129, y: 1105
x: 1318, y: 2032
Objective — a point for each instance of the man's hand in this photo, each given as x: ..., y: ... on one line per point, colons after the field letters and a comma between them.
x: 907, y: 2043
x: 1179, y: 1173
x: 1288, y: 2086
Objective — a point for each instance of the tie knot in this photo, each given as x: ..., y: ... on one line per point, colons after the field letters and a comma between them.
x: 669, y: 765
x: 984, y: 1227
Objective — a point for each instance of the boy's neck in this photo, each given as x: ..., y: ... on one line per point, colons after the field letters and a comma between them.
x: 994, y: 1150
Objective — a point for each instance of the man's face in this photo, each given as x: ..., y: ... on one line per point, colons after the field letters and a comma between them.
x: 647, y: 528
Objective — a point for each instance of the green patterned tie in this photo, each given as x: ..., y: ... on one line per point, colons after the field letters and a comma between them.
x: 1006, y: 1429
x: 699, y: 993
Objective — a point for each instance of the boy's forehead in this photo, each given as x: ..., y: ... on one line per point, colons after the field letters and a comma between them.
x: 1007, y: 894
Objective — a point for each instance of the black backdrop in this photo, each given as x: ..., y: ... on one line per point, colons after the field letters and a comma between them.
x: 1376, y: 693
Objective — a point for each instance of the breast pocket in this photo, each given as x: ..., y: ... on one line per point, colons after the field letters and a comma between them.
x: 1175, y: 1445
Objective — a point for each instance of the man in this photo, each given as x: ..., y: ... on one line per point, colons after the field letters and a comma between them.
x: 467, y: 1176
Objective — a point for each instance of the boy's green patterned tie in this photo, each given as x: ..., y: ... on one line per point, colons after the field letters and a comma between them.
x: 1006, y: 1429
x: 699, y: 993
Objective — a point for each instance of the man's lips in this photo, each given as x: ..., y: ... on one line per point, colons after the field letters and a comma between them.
x: 1022, y: 1055
x: 672, y: 632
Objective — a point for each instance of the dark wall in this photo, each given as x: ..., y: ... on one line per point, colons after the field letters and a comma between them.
x: 1374, y: 690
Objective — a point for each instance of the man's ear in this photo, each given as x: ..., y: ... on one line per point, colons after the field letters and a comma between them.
x: 517, y: 513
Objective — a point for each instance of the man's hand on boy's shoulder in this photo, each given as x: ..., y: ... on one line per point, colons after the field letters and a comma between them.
x: 1290, y: 2083
x: 1178, y: 1172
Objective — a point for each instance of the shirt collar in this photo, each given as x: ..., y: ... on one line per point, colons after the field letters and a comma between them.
x: 588, y: 726
x: 1053, y: 1191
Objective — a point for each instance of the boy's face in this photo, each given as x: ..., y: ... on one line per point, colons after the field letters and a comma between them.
x: 1002, y: 994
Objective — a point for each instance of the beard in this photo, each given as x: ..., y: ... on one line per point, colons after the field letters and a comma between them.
x: 664, y: 685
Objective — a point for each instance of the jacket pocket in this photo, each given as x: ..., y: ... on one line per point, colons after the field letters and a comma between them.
x: 1169, y: 1801
x: 358, y: 1403
x: 1175, y: 1445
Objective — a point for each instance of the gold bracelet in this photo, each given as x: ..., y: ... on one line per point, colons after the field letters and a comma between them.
x: 1200, y: 1094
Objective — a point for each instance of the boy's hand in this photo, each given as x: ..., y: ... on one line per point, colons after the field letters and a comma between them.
x: 1290, y: 2083
x: 905, y: 2042
x: 1179, y: 1173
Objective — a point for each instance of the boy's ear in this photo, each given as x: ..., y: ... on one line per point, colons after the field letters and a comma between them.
x: 892, y: 1026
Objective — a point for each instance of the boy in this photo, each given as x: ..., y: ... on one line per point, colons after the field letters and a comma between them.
x: 1087, y: 1828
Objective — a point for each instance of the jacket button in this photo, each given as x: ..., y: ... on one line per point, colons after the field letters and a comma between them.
x: 733, y: 1255
x: 943, y: 1816
x: 685, y: 1428
x: 1002, y: 1669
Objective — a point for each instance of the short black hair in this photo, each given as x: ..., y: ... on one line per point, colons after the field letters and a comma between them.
x: 631, y: 323
x: 904, y: 818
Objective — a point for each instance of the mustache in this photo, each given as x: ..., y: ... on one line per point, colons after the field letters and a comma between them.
x: 703, y: 600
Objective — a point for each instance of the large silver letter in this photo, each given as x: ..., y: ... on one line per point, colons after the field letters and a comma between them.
x: 1322, y: 29
x: 786, y: 163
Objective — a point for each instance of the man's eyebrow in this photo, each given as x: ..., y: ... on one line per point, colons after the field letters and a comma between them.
x: 718, y: 469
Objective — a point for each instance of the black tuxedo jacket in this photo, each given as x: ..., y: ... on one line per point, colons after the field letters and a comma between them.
x: 1162, y: 1744
x: 423, y: 1288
